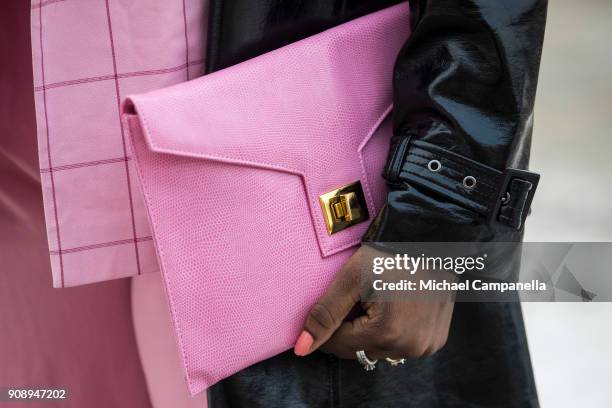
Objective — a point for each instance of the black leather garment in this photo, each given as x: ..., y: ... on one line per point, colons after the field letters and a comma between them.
x: 484, y: 364
x: 242, y: 29
x: 464, y: 88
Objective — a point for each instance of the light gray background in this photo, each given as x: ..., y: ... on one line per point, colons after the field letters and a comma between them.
x: 571, y: 343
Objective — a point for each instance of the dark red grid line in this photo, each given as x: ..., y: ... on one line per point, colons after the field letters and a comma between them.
x: 42, y: 4
x: 127, y: 167
x: 74, y: 82
x: 161, y: 70
x: 186, y: 41
x: 100, y: 245
x: 42, y: 69
x: 85, y: 164
x: 112, y: 76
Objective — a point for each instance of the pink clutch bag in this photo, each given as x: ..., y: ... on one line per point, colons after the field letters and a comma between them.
x: 259, y: 182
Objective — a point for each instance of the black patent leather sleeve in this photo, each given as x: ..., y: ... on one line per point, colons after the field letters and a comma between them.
x: 464, y: 90
x: 242, y: 29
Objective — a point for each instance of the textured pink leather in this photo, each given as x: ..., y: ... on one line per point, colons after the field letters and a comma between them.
x: 87, y: 56
x: 159, y: 356
x: 232, y: 165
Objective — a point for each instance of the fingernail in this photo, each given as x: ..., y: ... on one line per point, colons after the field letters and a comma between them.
x: 303, y: 344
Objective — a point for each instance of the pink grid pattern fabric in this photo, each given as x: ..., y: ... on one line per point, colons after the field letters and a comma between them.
x: 87, y: 56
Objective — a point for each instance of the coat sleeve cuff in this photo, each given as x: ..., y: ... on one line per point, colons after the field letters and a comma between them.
x: 439, y: 195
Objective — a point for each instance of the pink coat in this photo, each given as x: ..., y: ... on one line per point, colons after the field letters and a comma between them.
x: 87, y: 56
x: 81, y: 339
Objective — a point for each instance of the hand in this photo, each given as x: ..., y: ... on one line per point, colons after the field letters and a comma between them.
x: 400, y: 329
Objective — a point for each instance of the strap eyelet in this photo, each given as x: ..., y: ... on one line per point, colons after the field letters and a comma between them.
x: 434, y: 165
x: 469, y: 182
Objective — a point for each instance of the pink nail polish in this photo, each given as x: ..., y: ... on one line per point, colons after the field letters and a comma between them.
x: 303, y: 344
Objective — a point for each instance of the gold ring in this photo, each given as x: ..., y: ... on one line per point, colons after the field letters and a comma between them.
x: 394, y: 362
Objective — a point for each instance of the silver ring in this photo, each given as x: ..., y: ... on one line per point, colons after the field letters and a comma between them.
x: 367, y: 364
x: 395, y: 362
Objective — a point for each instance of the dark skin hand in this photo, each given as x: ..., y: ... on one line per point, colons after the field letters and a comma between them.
x: 399, y: 329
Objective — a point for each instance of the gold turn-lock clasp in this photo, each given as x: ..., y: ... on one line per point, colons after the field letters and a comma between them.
x: 343, y: 207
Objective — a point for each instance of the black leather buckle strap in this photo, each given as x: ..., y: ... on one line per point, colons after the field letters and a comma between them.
x: 516, y: 194
x: 503, y: 197
x: 395, y: 159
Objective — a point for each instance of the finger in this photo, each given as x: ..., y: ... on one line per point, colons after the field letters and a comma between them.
x: 361, y: 333
x: 329, y: 311
x: 366, y: 332
x: 444, y: 332
x: 350, y: 338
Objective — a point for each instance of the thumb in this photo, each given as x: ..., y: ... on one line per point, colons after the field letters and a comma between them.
x: 330, y: 310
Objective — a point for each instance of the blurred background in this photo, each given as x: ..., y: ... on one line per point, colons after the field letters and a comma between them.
x: 570, y: 342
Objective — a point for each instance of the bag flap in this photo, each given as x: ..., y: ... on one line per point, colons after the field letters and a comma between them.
x: 308, y: 109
